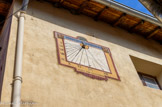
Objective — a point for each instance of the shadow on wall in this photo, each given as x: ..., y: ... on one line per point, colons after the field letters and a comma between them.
x: 64, y: 18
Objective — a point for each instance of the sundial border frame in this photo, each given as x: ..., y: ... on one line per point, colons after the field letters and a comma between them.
x: 75, y: 69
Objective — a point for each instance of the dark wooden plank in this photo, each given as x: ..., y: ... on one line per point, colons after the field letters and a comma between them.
x: 57, y: 3
x: 4, y: 6
x: 133, y: 27
x: 119, y: 19
x: 82, y: 6
x: 154, y: 32
x: 99, y: 13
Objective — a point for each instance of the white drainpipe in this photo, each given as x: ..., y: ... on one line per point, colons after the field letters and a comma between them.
x: 16, y: 99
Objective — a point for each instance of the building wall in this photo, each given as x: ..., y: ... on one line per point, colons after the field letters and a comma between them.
x: 4, y: 37
x: 49, y: 84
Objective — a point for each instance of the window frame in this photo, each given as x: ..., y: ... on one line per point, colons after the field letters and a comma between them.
x: 150, y: 76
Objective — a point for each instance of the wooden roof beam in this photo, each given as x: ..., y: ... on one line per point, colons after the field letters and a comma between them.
x: 133, y: 27
x: 154, y: 32
x: 119, y: 19
x: 58, y: 4
x: 4, y: 6
x: 82, y: 6
x: 99, y: 13
x: 61, y: 1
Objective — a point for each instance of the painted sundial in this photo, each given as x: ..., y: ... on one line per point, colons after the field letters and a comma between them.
x: 89, y: 59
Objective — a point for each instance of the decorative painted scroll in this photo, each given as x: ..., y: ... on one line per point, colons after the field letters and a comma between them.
x: 87, y: 58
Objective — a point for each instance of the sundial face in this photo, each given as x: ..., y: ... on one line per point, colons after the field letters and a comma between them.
x: 89, y: 59
x: 85, y: 54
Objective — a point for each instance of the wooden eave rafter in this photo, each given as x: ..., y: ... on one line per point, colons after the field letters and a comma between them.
x: 154, y: 32
x: 112, y: 16
x: 134, y: 27
x: 4, y: 9
x: 4, y: 6
x: 119, y: 19
x: 99, y: 13
x: 82, y: 6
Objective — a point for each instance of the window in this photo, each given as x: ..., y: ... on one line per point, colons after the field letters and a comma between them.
x: 149, y: 81
x: 149, y: 72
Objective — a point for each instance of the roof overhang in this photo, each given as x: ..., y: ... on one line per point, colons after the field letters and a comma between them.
x: 116, y: 15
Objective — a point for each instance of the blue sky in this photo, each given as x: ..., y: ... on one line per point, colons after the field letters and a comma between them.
x: 135, y: 4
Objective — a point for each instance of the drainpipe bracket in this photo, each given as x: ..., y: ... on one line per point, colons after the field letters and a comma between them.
x: 17, y: 78
x: 21, y: 14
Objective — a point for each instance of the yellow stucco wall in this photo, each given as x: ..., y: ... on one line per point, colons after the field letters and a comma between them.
x: 52, y: 85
